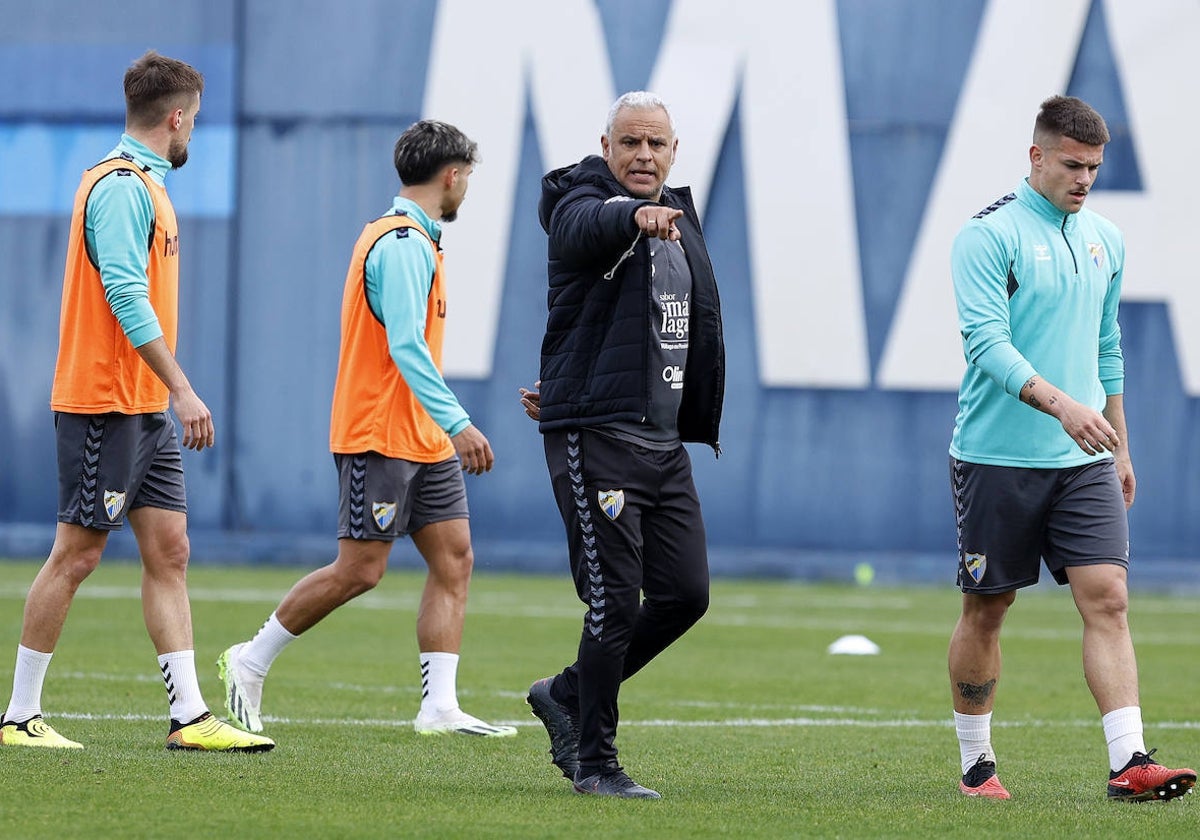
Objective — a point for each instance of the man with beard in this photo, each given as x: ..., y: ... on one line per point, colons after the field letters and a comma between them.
x: 115, y: 379
x: 400, y: 439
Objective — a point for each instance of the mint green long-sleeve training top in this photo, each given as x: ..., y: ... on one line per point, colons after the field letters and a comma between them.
x: 1037, y: 292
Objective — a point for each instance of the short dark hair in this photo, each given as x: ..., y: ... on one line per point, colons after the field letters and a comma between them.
x: 1068, y: 116
x: 427, y: 146
x: 156, y: 85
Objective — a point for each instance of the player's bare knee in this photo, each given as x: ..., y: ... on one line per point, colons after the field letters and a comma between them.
x: 462, y: 560
x: 75, y: 564
x: 1108, y: 602
x: 167, y: 558
x: 452, y: 569
x: 985, y: 613
x: 175, y: 550
x: 362, y: 578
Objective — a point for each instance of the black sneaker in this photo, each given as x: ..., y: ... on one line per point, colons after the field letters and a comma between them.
x: 614, y: 782
x: 562, y: 725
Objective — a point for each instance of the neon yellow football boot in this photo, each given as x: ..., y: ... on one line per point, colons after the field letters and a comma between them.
x: 34, y: 732
x: 209, y: 733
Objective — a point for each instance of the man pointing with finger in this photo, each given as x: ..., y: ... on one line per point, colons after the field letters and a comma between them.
x: 632, y: 367
x: 1040, y: 460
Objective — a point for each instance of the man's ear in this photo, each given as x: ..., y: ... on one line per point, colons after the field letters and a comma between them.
x: 176, y: 119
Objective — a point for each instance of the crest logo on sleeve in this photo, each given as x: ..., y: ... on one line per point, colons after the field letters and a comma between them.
x: 976, y: 565
x: 1096, y: 250
x: 384, y: 514
x: 612, y: 502
x: 114, y: 503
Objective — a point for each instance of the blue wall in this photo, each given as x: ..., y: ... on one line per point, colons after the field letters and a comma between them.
x: 292, y: 155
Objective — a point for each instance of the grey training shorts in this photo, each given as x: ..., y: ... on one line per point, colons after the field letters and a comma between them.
x: 1012, y: 518
x: 109, y: 464
x: 382, y: 498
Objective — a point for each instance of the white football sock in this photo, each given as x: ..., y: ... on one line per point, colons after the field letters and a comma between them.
x: 268, y: 643
x: 974, y: 739
x: 183, y: 689
x: 28, y: 677
x: 1123, y: 731
x: 439, y: 674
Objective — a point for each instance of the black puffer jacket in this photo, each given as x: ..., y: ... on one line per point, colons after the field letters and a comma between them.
x: 594, y: 354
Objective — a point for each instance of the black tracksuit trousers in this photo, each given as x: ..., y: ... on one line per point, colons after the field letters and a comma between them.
x: 640, y: 563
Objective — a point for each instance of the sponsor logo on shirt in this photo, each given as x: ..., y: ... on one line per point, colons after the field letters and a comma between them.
x: 673, y: 374
x: 675, y: 316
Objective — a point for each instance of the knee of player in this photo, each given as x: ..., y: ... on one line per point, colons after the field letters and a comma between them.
x: 690, y: 600
x: 367, y: 578
x: 463, y: 560
x: 75, y: 564
x: 985, y: 613
x: 353, y: 579
x: 1110, y: 602
x: 696, y: 602
x: 170, y: 554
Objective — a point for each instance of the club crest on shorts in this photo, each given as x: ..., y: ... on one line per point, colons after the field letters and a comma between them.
x: 612, y: 502
x: 114, y: 503
x: 976, y: 565
x: 384, y: 514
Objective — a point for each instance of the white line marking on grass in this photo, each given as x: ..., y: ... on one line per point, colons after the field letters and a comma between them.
x: 789, y: 619
x: 105, y: 677
x: 730, y: 723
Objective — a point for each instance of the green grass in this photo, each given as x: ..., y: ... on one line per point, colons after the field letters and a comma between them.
x: 746, y: 726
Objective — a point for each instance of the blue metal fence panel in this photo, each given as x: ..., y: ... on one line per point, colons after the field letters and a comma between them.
x: 292, y: 156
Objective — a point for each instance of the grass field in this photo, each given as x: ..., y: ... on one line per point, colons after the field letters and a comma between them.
x: 747, y: 726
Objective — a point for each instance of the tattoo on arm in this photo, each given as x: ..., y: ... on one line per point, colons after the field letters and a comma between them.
x: 976, y: 694
x: 1031, y: 400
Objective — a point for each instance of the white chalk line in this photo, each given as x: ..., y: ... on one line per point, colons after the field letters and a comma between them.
x: 665, y: 723
x: 868, y: 619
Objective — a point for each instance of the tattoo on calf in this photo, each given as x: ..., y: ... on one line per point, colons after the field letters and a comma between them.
x: 976, y: 694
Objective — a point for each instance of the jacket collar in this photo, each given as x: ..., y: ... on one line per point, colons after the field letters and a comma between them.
x: 410, y: 208
x: 1042, y: 206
